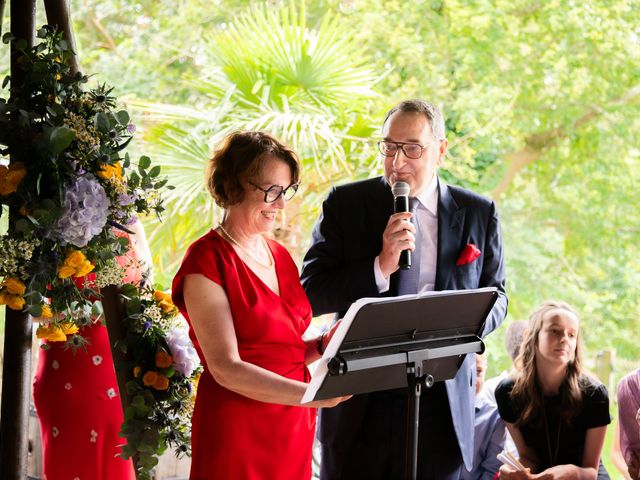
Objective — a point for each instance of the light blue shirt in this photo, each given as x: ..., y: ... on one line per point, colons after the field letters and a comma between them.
x: 489, y: 433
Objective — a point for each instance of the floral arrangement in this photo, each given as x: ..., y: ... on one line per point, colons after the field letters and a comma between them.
x: 165, y: 368
x: 71, y: 187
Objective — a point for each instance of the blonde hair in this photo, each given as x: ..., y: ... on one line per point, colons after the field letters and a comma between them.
x: 527, y: 392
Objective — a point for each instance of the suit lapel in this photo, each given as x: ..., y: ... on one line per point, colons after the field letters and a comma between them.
x: 450, y: 229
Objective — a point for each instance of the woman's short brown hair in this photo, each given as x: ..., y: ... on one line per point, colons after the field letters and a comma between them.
x: 241, y: 158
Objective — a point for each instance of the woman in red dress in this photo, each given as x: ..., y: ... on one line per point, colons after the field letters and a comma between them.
x: 246, y: 309
x: 77, y: 399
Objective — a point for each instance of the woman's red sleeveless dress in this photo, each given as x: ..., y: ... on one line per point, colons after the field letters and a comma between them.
x: 235, y: 437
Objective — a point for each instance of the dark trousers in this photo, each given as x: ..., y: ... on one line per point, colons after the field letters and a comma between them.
x: 379, y: 449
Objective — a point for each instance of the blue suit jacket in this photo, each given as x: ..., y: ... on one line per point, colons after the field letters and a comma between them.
x: 338, y: 270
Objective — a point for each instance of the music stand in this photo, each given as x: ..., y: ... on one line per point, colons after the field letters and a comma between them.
x: 411, y: 341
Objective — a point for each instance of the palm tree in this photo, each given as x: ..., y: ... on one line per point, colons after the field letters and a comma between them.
x: 266, y: 70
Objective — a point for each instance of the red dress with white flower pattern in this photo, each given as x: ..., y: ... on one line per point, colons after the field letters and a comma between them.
x: 78, y: 404
x: 233, y: 436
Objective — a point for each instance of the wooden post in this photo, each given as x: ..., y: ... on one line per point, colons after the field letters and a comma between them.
x: 16, y: 368
x: 114, y: 315
x: 604, y: 367
x: 1, y: 15
x: 58, y: 15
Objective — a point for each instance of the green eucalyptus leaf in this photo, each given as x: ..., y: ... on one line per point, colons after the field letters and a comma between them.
x: 144, y: 162
x: 60, y: 138
x: 35, y: 310
x: 155, y: 171
x: 123, y: 117
x: 101, y: 122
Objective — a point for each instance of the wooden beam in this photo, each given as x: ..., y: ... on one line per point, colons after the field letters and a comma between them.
x: 16, y: 368
x: 2, y: 2
x: 58, y: 15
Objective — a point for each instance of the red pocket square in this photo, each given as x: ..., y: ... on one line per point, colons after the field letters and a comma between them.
x: 468, y: 255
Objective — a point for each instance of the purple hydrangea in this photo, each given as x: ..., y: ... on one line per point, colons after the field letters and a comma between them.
x: 84, y: 213
x: 125, y: 199
x: 185, y: 357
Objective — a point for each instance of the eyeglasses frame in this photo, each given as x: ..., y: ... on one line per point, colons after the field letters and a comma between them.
x: 266, y: 191
x: 401, y: 145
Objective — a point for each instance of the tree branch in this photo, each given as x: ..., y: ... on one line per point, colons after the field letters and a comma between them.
x: 58, y: 15
x: 538, y: 143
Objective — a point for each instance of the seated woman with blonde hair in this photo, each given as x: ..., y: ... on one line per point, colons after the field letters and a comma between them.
x: 555, y: 413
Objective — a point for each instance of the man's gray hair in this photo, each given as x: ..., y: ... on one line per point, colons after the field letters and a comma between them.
x: 433, y: 114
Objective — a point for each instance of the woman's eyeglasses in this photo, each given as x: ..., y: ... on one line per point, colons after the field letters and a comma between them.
x: 273, y: 193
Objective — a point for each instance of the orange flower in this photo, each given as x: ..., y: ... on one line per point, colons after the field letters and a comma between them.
x: 164, y: 301
x: 163, y: 359
x: 149, y: 378
x: 111, y: 172
x: 14, y: 302
x: 51, y: 332
x: 46, y: 312
x: 10, y: 177
x: 161, y: 383
x: 136, y: 371
x: 14, y: 286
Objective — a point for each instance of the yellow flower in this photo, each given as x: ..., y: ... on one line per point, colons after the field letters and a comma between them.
x: 14, y: 302
x: 69, y: 328
x: 111, y: 172
x: 46, y: 312
x: 66, y: 272
x: 15, y: 286
x: 161, y: 383
x: 76, y: 264
x: 163, y: 359
x: 58, y: 76
x: 75, y: 259
x: 149, y: 378
x: 52, y: 333
x: 10, y: 177
x: 164, y: 301
x: 84, y: 269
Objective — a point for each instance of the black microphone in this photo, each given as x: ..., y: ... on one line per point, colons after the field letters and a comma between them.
x: 400, y: 192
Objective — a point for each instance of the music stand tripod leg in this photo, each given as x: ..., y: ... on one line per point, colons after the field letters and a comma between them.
x: 416, y: 382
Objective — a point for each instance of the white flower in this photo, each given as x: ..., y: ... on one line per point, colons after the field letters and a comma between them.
x: 111, y: 393
x: 185, y: 357
x: 55, y: 431
x: 55, y: 365
x: 94, y: 436
x: 97, y: 359
x: 67, y: 386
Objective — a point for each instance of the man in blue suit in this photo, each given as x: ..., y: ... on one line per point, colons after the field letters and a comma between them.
x: 355, y: 252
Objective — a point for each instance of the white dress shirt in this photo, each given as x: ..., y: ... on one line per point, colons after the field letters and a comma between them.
x: 426, y: 222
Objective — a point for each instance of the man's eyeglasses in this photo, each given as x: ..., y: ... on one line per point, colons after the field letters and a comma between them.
x: 273, y: 193
x: 411, y: 150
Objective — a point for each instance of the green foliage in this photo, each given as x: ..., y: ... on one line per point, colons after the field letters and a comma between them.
x: 66, y: 186
x: 161, y: 389
x: 541, y: 102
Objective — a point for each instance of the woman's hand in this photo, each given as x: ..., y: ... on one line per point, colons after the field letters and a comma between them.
x: 328, y: 403
x: 508, y: 473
